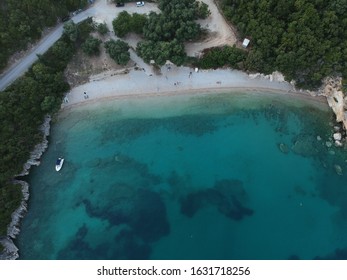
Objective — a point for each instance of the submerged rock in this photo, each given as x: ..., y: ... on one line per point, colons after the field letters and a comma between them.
x: 338, y: 169
x: 304, y: 146
x: 337, y: 136
x: 283, y: 148
x: 94, y: 162
x: 328, y: 144
x: 338, y: 143
x: 228, y: 196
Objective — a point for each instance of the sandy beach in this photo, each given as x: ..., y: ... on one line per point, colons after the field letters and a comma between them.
x: 175, y: 81
x: 143, y: 80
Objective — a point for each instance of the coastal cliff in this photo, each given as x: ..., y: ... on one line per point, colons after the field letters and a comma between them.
x: 332, y: 90
x: 10, y: 251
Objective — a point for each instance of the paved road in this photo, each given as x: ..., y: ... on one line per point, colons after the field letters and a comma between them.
x: 103, y: 11
x: 19, y: 68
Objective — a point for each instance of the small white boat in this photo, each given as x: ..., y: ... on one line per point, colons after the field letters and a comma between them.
x: 59, y: 164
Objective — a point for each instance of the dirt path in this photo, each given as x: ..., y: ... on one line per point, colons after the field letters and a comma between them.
x: 220, y: 33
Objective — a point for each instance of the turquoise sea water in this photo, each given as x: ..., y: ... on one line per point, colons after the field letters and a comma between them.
x: 223, y: 176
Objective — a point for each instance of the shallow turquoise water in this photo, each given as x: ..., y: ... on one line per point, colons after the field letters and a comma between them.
x: 188, y: 177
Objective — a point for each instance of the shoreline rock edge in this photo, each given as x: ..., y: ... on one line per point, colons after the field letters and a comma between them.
x: 10, y: 251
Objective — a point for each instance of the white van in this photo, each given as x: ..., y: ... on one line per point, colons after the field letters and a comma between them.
x: 140, y: 4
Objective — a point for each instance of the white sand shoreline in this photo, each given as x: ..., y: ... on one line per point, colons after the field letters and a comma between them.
x: 178, y: 81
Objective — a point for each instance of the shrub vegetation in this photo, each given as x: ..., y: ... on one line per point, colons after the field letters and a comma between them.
x: 102, y: 28
x: 10, y: 198
x: 91, y: 46
x: 118, y: 51
x: 223, y: 56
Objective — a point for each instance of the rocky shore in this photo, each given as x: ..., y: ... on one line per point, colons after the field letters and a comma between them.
x: 332, y: 90
x: 275, y: 76
x: 10, y: 251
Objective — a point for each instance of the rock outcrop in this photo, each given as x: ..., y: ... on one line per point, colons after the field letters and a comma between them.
x: 36, y: 154
x: 332, y: 90
x: 338, y: 169
x: 11, y: 251
x: 275, y: 76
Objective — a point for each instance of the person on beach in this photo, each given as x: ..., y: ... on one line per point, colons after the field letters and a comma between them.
x: 86, y: 95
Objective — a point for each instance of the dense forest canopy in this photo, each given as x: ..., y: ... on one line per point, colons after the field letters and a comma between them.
x: 22, y: 21
x: 304, y: 39
x: 165, y: 33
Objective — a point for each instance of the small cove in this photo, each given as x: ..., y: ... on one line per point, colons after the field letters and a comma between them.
x: 188, y: 177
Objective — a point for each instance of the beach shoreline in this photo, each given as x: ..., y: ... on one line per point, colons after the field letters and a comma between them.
x: 180, y: 81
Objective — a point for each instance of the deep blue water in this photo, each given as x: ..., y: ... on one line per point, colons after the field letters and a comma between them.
x: 189, y: 177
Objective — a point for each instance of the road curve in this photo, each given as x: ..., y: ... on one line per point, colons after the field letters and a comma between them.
x: 18, y: 69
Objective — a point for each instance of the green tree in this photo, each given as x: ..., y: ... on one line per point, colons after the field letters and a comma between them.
x: 222, y: 56
x: 58, y: 55
x: 203, y: 11
x: 70, y: 30
x: 91, y: 46
x: 10, y: 198
x: 122, y: 24
x: 165, y: 33
x: 118, y: 51
x: 175, y: 23
x: 102, y: 28
x: 137, y: 23
x: 162, y: 51
x: 48, y: 103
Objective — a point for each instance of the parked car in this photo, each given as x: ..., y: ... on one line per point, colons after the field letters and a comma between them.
x: 119, y: 4
x: 140, y: 4
x: 76, y: 12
